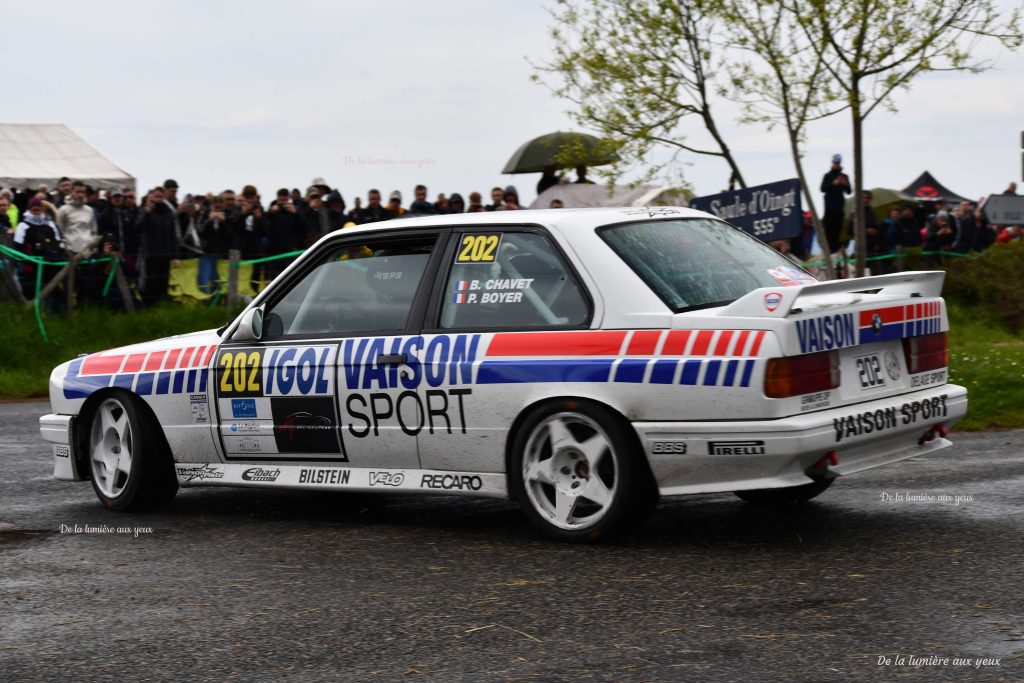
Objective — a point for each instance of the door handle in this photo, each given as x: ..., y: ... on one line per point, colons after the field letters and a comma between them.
x: 392, y: 359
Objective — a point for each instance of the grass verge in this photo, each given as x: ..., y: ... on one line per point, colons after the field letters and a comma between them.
x: 989, y: 361
x: 28, y: 359
x: 985, y: 357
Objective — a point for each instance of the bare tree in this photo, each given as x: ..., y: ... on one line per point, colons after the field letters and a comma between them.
x: 871, y: 48
x: 636, y: 70
x: 784, y: 86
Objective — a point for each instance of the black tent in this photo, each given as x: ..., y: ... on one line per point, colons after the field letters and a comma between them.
x: 927, y: 189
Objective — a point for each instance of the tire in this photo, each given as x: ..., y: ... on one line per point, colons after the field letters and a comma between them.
x: 790, y: 495
x: 131, y: 466
x: 578, y: 471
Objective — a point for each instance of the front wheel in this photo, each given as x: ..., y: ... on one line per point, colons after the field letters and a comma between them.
x: 130, y: 463
x: 789, y: 495
x: 579, y: 473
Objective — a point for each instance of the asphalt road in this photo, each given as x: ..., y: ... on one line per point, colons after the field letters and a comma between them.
x: 260, y: 585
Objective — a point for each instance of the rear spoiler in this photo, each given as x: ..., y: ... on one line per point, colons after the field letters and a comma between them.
x: 779, y: 302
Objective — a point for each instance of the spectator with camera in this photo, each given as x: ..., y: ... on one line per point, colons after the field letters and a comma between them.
x: 37, y: 235
x: 286, y: 231
x: 117, y: 225
x: 158, y: 230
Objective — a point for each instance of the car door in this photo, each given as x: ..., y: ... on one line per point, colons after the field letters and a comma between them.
x: 322, y: 383
x: 482, y: 358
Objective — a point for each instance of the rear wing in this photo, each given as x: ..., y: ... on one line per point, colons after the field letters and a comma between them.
x: 780, y: 301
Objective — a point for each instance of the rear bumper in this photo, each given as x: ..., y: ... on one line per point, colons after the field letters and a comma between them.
x: 58, y: 430
x: 705, y: 457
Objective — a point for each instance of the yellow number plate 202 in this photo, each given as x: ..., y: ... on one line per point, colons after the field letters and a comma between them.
x: 478, y: 248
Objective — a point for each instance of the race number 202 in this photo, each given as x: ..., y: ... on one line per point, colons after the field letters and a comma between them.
x: 240, y: 372
x: 478, y: 248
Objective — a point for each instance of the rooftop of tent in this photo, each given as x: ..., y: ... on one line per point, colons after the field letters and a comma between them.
x: 34, y: 154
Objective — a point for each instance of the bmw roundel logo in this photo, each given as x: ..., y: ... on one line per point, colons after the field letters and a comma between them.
x: 876, y: 323
x: 772, y: 300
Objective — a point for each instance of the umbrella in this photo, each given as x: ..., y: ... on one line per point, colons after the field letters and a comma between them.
x: 583, y: 150
x: 882, y: 199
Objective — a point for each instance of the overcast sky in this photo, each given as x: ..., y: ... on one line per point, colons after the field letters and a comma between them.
x: 390, y: 94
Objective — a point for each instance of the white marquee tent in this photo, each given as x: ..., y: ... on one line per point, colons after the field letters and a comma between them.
x: 41, y: 154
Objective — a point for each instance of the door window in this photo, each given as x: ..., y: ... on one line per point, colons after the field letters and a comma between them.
x: 363, y: 287
x: 511, y: 279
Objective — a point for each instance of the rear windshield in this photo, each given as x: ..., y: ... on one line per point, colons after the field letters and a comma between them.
x: 699, y: 263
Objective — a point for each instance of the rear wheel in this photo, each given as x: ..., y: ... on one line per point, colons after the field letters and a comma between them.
x: 130, y: 462
x: 790, y: 495
x: 578, y: 472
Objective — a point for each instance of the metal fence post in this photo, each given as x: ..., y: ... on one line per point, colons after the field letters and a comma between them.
x: 234, y: 256
x: 69, y: 284
x: 122, y: 286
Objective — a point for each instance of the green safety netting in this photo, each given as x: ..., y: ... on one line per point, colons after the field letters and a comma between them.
x: 182, y: 282
x: 184, y: 273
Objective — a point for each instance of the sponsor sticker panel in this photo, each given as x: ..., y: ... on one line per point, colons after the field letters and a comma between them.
x: 486, y: 484
x: 200, y: 408
x: 279, y: 401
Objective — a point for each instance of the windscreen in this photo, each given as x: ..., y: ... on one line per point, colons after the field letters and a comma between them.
x: 698, y: 263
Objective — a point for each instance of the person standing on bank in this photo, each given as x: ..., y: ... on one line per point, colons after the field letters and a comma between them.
x: 79, y: 228
x: 835, y: 186
x: 158, y: 231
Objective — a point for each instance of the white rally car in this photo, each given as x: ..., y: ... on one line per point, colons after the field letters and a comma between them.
x: 581, y: 362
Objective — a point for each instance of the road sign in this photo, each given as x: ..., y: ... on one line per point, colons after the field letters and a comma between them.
x: 1004, y: 209
x: 769, y: 212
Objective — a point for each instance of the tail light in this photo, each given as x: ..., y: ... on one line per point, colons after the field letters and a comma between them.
x: 927, y: 352
x: 797, y: 375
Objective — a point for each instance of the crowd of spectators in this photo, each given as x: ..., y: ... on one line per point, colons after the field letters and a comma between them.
x: 147, y: 233
x: 934, y: 226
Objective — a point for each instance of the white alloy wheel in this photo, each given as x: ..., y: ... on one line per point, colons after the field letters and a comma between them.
x: 111, y: 448
x: 570, y: 471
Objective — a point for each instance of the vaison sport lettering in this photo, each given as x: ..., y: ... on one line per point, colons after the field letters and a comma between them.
x: 446, y: 360
x: 552, y: 358
x: 827, y: 332
x: 882, y: 419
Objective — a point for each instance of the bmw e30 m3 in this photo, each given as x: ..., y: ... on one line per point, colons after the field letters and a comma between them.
x: 581, y: 362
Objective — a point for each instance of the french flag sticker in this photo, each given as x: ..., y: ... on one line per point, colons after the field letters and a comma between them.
x: 459, y: 298
x: 461, y: 286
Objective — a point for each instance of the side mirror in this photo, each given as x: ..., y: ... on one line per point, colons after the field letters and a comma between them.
x: 251, y: 326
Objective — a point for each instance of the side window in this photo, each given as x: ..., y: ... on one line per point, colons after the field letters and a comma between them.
x: 365, y: 287
x: 510, y: 279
